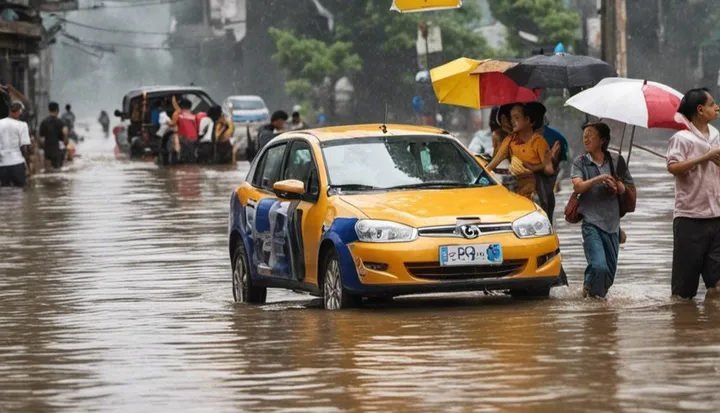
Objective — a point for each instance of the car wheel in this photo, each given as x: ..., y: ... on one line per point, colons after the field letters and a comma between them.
x: 335, y: 296
x: 243, y: 289
x: 541, y: 292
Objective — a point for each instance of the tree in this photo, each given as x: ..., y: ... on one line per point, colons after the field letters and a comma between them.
x: 308, y: 62
x: 550, y: 20
x: 383, y: 44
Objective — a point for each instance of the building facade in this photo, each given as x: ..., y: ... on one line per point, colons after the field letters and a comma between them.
x: 25, y: 52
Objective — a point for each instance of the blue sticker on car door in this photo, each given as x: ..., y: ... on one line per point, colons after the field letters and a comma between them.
x: 275, y: 240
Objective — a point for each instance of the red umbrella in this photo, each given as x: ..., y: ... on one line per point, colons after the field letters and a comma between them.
x: 497, y: 89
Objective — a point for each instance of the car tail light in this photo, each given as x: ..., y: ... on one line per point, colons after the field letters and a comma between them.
x: 116, y: 130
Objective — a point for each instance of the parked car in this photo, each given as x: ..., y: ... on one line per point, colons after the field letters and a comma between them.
x: 249, y: 113
x: 351, y: 212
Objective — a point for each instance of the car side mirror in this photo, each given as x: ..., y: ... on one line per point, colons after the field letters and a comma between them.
x: 118, y: 113
x: 289, y: 189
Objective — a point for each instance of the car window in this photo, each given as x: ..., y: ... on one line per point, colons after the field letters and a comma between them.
x: 199, y: 103
x: 247, y: 104
x: 300, y: 166
x: 269, y: 169
x: 401, y: 161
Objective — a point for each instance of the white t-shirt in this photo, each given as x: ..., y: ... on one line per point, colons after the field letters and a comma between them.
x: 206, y: 129
x: 13, y: 135
x: 163, y: 121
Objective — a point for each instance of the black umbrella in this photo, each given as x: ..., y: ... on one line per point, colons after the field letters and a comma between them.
x: 560, y: 71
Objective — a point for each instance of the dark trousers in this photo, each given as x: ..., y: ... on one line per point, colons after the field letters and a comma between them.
x: 56, y: 156
x: 545, y: 187
x: 205, y: 153
x: 601, y: 251
x: 13, y: 175
x: 696, y: 252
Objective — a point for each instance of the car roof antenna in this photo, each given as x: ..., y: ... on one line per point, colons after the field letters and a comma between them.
x: 383, y: 127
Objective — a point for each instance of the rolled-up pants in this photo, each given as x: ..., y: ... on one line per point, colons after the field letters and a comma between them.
x: 696, y: 253
x: 601, y: 251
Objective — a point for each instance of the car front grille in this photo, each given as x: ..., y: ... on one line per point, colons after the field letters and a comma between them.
x: 451, y: 230
x: 433, y: 271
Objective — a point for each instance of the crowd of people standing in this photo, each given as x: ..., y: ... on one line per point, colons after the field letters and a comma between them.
x: 604, y: 190
x: 603, y: 187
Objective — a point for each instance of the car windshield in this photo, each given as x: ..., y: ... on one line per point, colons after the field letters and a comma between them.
x: 247, y: 104
x: 401, y: 163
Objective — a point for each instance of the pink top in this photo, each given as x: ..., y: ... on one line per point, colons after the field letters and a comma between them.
x: 697, y: 193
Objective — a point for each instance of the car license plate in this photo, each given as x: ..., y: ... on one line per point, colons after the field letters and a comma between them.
x: 479, y: 254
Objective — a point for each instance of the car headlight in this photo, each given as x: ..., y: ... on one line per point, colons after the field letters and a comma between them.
x: 369, y: 230
x: 532, y: 225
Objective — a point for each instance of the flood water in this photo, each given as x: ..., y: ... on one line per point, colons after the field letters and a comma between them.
x: 115, y: 297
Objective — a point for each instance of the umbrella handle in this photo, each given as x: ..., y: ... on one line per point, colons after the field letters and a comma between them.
x: 632, y: 136
x: 622, y: 139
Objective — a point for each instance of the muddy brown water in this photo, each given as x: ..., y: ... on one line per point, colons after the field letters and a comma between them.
x: 115, y: 297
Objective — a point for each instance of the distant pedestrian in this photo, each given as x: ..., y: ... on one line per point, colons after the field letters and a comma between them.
x: 272, y: 129
x: 14, y: 148
x: 104, y: 121
x: 296, y: 123
x: 599, y: 183
x: 207, y: 142
x: 69, y: 117
x: 54, y: 138
x: 693, y: 157
x: 187, y: 129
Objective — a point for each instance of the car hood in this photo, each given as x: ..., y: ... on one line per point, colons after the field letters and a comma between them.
x: 442, y: 207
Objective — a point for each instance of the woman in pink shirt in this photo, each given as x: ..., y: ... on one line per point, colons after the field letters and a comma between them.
x: 693, y: 157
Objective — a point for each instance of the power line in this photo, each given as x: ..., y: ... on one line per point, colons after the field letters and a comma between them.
x: 103, y: 29
x: 123, y: 45
x: 68, y: 44
x: 102, y: 6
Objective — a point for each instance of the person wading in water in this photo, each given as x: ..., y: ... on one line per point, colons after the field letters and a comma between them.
x: 594, y: 176
x: 693, y: 157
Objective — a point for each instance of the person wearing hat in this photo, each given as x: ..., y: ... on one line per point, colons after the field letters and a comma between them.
x: 593, y: 177
x: 14, y: 148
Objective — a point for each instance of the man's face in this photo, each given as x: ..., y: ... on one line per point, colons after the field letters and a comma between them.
x: 17, y: 114
x: 279, y: 124
x: 296, y: 119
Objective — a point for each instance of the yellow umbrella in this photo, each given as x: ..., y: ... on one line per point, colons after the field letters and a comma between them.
x: 478, y: 83
x: 404, y: 6
x: 454, y: 83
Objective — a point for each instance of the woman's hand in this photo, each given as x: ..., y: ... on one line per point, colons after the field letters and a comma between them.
x: 620, y: 187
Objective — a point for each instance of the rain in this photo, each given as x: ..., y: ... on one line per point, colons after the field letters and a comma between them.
x: 121, y: 285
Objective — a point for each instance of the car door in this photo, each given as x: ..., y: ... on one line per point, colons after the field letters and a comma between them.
x: 304, y: 216
x: 261, y: 201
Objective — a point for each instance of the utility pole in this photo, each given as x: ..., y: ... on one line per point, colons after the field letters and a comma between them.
x: 614, y: 34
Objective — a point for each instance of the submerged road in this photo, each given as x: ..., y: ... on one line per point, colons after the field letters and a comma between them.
x: 115, y: 297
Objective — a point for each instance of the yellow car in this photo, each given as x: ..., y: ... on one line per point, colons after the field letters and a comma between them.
x: 380, y: 211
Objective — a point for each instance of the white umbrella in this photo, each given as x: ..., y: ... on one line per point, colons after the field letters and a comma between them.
x: 634, y: 102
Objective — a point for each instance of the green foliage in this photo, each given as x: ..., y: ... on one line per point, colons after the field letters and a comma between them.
x: 548, y: 19
x: 309, y: 61
x: 376, y: 49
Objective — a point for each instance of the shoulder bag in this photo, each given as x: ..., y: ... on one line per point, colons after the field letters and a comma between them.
x: 571, y: 208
